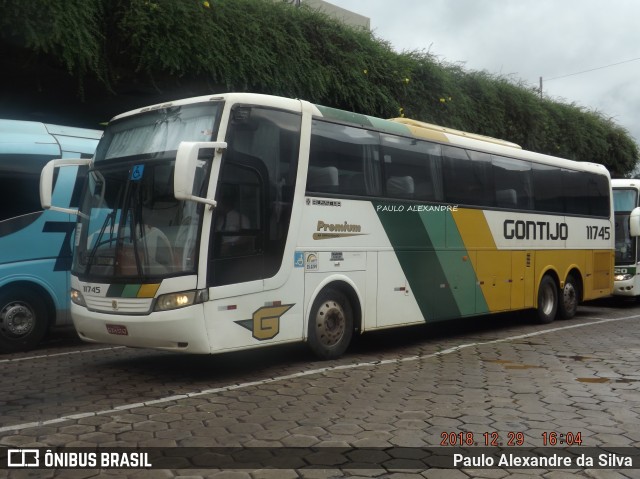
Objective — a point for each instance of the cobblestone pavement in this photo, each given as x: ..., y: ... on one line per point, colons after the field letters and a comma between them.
x: 497, y: 378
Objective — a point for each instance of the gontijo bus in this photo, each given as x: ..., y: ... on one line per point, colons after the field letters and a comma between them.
x: 627, y: 230
x: 35, y: 245
x: 234, y: 221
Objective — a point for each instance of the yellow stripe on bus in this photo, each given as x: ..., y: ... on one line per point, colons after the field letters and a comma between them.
x: 473, y: 229
x: 509, y: 279
x: 148, y: 290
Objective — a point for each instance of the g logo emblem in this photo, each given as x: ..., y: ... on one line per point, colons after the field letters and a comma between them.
x: 265, y: 322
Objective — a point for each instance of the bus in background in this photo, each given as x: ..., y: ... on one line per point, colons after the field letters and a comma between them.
x: 35, y: 245
x: 235, y: 221
x: 627, y: 230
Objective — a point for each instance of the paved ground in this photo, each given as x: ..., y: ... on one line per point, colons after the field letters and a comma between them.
x: 394, y: 397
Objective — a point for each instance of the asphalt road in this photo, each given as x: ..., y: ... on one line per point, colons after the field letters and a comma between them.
x: 395, y: 401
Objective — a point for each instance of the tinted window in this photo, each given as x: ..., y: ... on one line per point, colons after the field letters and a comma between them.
x: 412, y: 168
x: 547, y: 188
x: 343, y: 159
x: 598, y: 193
x: 20, y: 184
x: 575, y: 187
x: 467, y: 177
x: 512, y: 180
x: 255, y: 195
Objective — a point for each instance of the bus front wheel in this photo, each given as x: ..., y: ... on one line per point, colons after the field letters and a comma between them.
x: 547, y: 300
x: 330, y: 324
x: 23, y: 319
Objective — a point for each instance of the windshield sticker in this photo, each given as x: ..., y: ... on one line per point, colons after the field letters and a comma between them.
x: 136, y: 173
x: 311, y: 263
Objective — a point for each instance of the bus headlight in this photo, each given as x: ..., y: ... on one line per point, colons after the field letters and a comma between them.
x: 169, y: 301
x: 622, y: 277
x: 77, y: 298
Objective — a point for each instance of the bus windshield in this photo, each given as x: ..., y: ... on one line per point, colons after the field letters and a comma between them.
x: 624, y: 201
x: 130, y: 223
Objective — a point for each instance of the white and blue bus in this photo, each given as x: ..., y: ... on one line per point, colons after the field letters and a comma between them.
x: 35, y: 244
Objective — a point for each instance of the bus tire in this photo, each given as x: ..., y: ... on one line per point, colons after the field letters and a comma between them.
x: 547, y: 300
x: 24, y: 319
x: 569, y: 297
x: 330, y: 324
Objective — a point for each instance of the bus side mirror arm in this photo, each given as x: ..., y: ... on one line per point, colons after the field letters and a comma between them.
x: 46, y: 183
x: 634, y: 223
x: 185, y: 170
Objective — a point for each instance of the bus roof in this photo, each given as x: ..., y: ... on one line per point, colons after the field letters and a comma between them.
x: 17, y: 136
x: 398, y: 126
x: 431, y: 131
x: 625, y: 183
x: 77, y: 140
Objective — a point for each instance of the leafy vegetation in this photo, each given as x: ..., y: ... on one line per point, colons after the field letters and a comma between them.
x: 269, y: 47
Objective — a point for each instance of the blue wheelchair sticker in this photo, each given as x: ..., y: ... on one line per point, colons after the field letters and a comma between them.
x: 136, y: 173
x: 298, y: 259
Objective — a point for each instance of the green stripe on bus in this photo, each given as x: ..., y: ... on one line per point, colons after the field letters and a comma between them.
x: 344, y: 116
x: 123, y: 290
x: 115, y: 290
x: 455, y: 261
x: 420, y: 262
x: 131, y: 291
x: 364, y: 120
x: 390, y: 127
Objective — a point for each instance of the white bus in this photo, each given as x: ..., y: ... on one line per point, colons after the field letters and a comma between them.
x: 234, y: 221
x: 627, y: 230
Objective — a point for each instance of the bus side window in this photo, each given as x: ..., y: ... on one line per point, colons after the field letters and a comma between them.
x: 467, y: 177
x: 237, y: 222
x: 351, y: 153
x: 513, y: 183
x: 258, y: 175
x: 323, y: 179
x: 412, y: 168
x: 547, y: 188
x: 574, y: 184
x: 598, y: 192
x: 19, y: 184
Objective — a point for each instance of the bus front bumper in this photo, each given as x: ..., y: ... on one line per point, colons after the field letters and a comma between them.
x: 625, y: 288
x: 177, y: 330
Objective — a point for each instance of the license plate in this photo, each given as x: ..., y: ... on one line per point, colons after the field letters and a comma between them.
x: 117, y: 329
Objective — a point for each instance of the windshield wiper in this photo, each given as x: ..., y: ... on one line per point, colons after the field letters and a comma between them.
x: 91, y: 257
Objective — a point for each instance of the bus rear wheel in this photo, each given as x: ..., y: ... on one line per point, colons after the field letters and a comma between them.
x: 570, y: 295
x: 547, y: 300
x: 23, y: 319
x: 330, y: 324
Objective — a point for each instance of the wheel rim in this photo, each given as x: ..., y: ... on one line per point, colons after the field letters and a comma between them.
x: 17, y: 319
x: 330, y: 323
x: 569, y: 297
x: 548, y: 299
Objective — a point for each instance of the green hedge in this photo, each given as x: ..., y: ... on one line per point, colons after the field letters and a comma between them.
x: 270, y: 47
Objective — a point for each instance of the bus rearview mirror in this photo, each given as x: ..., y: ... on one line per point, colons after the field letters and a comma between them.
x: 634, y: 223
x: 46, y: 182
x: 186, y: 165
